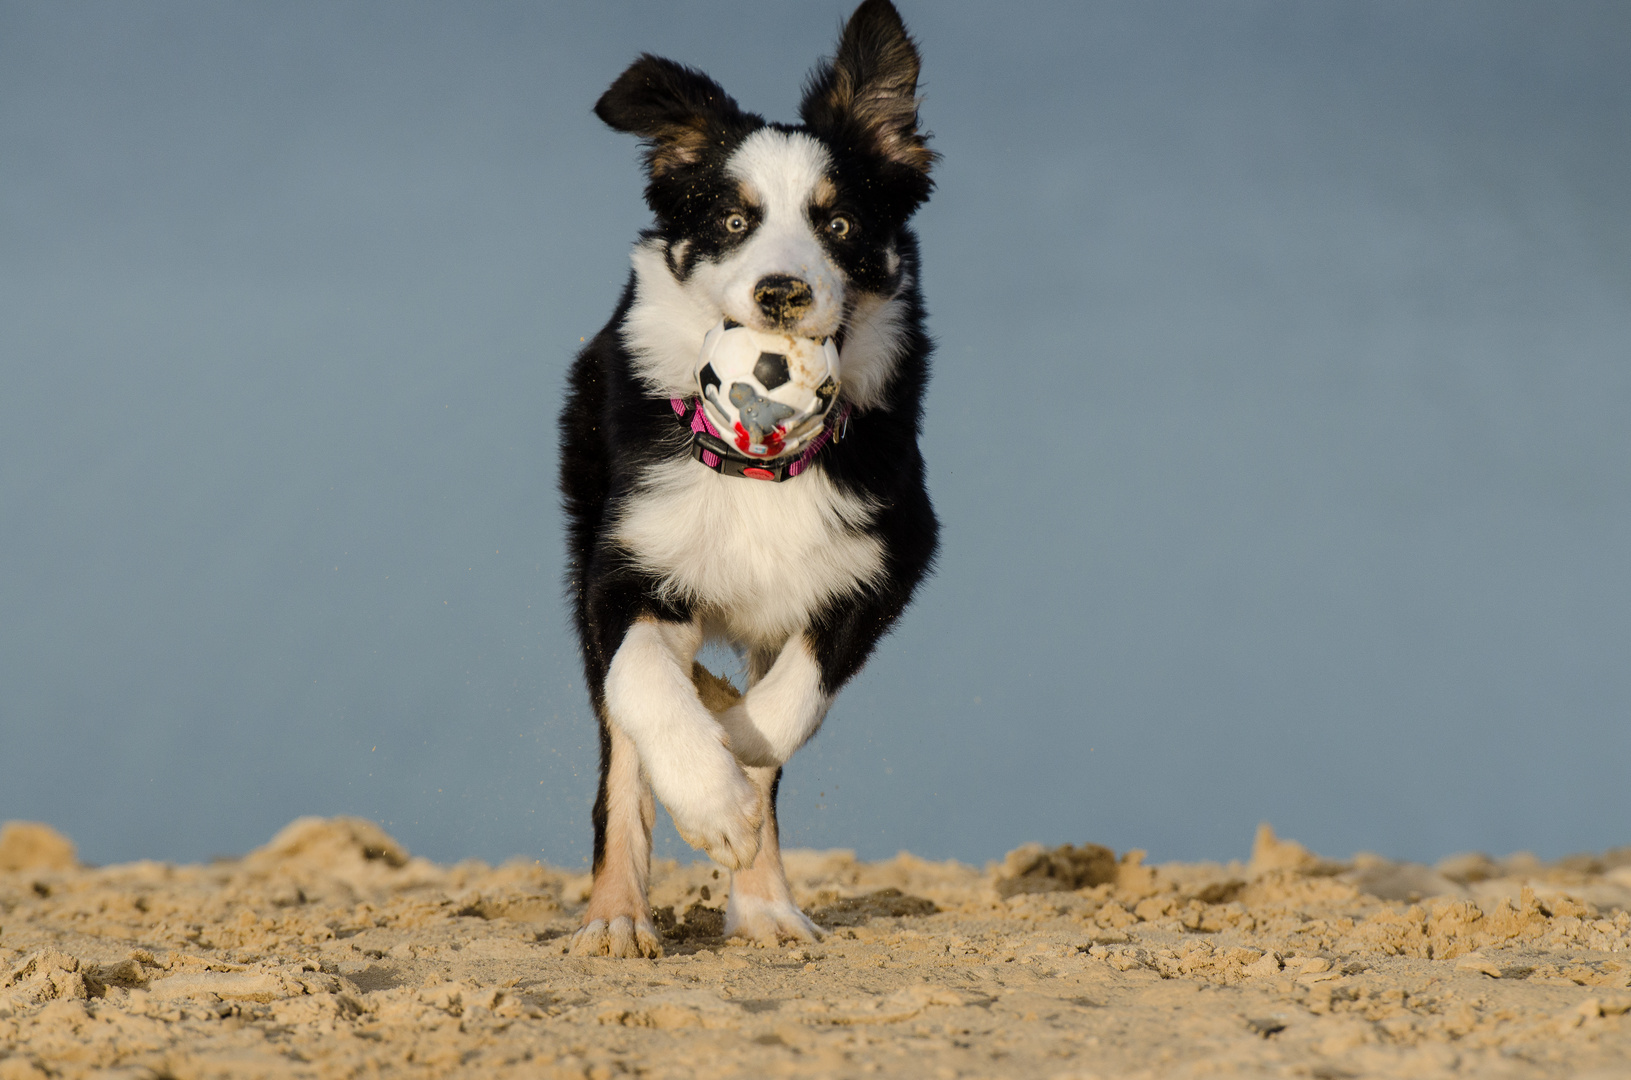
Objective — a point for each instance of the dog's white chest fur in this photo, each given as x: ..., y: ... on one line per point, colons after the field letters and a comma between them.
x: 761, y: 557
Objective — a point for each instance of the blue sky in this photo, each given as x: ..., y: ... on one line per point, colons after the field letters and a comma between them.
x: 1279, y: 424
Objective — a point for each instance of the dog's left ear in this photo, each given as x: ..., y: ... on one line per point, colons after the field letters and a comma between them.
x: 865, y: 98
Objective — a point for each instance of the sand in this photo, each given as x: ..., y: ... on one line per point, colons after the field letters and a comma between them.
x: 333, y: 953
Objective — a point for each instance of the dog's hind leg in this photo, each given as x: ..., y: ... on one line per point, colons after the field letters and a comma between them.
x: 761, y: 906
x: 618, y: 919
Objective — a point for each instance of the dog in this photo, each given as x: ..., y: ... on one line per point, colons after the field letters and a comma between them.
x: 673, y: 538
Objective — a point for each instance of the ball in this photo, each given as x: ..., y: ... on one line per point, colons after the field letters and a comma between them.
x: 768, y: 393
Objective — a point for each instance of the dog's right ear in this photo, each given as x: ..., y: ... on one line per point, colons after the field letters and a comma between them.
x: 677, y: 110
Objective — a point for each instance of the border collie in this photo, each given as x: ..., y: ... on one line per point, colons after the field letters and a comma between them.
x: 799, y: 566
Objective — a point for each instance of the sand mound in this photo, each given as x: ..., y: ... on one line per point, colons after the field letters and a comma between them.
x: 325, y: 843
x: 332, y: 952
x: 28, y: 845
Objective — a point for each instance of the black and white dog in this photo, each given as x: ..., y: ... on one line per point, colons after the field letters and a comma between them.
x: 797, y: 229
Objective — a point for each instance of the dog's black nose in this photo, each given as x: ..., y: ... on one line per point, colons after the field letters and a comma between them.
x: 783, y: 298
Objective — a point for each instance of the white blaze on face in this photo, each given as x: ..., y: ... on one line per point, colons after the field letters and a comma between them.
x: 780, y: 174
x: 785, y: 175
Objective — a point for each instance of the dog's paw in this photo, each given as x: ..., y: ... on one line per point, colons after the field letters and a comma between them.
x: 726, y: 827
x: 730, y: 835
x: 715, y: 807
x: 623, y: 936
x: 768, y: 922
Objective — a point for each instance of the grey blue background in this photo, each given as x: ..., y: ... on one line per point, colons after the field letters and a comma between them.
x: 1279, y: 423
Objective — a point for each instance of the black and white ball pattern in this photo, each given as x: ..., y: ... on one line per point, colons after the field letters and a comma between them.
x: 767, y: 393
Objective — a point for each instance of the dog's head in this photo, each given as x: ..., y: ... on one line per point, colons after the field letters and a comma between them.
x: 774, y: 226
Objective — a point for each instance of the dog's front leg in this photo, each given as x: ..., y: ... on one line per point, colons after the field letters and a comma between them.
x: 651, y: 699
x: 780, y: 711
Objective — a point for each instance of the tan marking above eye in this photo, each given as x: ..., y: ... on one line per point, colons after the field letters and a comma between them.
x: 825, y: 193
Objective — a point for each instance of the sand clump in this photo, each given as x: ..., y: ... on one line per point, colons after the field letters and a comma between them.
x: 333, y: 952
x: 28, y: 845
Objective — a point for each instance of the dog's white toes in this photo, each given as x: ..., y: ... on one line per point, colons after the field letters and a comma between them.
x: 728, y: 830
x: 590, y: 940
x: 734, y: 849
x: 620, y: 937
x: 623, y: 936
x: 739, y: 847
x: 768, y: 922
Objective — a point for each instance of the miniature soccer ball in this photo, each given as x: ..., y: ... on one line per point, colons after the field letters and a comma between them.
x: 768, y: 393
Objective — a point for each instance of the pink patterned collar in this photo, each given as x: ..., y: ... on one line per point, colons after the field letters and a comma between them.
x: 710, y: 448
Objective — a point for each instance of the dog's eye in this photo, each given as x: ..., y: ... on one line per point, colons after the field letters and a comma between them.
x: 735, y: 222
x: 839, y: 225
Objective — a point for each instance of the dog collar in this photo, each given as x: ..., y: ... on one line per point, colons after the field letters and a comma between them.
x: 708, y: 447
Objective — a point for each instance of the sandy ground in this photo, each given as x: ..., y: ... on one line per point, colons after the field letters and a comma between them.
x: 331, y: 953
